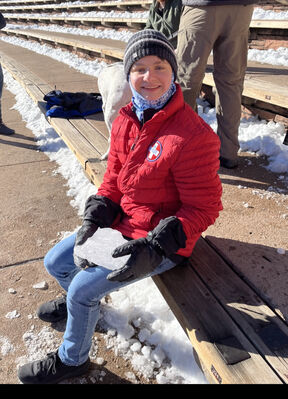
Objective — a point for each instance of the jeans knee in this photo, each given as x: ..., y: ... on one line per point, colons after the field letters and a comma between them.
x: 81, y: 294
x: 59, y: 259
x: 50, y: 264
x: 88, y: 287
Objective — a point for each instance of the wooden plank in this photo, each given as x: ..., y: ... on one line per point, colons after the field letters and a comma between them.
x: 91, y: 134
x: 262, y: 81
x: 67, y: 129
x: 258, y: 89
x: 263, y: 268
x: 270, y: 24
x: 10, y: 3
x: 83, y: 7
x: 255, y: 24
x: 248, y: 310
x: 207, y: 323
x: 74, y: 139
x: 97, y: 121
x: 72, y: 41
x: 99, y: 20
x: 95, y: 169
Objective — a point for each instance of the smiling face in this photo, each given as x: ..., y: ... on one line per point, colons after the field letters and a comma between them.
x: 151, y: 77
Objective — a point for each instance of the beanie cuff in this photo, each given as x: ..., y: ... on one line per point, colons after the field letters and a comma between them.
x: 145, y: 43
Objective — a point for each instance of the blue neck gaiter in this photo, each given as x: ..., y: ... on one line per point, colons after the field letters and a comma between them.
x: 141, y: 104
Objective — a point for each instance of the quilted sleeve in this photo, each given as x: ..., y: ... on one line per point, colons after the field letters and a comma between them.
x: 199, y: 186
x: 109, y: 187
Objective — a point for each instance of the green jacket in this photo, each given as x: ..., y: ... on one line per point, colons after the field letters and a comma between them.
x: 165, y: 21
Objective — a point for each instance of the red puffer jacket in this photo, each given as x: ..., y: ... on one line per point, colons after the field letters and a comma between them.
x: 167, y: 167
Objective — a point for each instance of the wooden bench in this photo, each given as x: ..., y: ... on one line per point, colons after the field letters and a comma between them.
x: 113, y: 22
x: 263, y: 82
x: 98, y: 5
x: 24, y: 2
x: 274, y: 4
x: 263, y: 34
x: 237, y: 335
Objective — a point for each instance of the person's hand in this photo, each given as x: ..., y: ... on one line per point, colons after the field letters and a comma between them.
x: 147, y: 253
x: 82, y: 262
x: 86, y: 231
x: 142, y: 261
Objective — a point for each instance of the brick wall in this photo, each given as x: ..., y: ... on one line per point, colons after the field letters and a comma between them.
x: 272, y: 5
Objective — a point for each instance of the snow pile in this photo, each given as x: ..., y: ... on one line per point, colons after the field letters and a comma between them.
x: 6, y: 346
x: 260, y: 13
x: 88, y: 14
x: 257, y: 136
x: 265, y: 139
x: 38, y: 344
x: 270, y: 56
x: 149, y: 335
x: 122, y: 35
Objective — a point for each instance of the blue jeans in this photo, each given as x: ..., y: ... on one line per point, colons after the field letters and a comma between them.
x: 85, y: 288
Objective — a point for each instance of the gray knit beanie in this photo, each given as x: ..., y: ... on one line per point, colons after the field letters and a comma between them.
x: 148, y: 42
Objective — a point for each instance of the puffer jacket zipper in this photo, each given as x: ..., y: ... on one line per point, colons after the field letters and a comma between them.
x: 134, y: 143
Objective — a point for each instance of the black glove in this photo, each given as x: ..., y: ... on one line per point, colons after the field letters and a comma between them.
x: 99, y: 212
x: 168, y: 236
x: 147, y: 253
x: 82, y: 262
x: 86, y: 231
x: 143, y: 260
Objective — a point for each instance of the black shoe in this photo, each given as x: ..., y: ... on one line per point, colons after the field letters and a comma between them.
x: 49, y: 370
x: 53, y: 311
x: 228, y: 163
x: 6, y: 130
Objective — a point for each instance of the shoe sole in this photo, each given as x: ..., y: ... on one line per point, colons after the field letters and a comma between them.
x: 72, y: 374
x: 54, y: 320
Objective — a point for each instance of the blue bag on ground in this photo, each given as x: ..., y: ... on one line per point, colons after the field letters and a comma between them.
x: 70, y: 105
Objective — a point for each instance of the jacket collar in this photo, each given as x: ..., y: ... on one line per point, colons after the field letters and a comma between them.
x: 176, y: 102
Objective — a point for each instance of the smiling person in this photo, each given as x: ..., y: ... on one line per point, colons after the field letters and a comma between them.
x: 160, y: 190
x: 164, y: 17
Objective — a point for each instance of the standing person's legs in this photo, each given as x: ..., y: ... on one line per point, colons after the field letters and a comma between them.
x: 1, y: 89
x: 195, y: 41
x: 230, y: 62
x: 3, y: 129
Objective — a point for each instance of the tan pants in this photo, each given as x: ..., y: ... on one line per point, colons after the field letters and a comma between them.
x: 225, y: 30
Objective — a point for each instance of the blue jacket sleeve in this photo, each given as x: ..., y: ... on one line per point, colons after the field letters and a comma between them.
x: 2, y: 21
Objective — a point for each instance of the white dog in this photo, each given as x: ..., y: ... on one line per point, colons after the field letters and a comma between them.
x: 115, y: 92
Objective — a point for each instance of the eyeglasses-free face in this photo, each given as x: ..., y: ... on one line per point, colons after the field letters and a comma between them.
x: 151, y: 77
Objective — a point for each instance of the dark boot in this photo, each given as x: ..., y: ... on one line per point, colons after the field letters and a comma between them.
x: 6, y: 130
x: 228, y: 163
x: 53, y: 311
x: 49, y: 370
